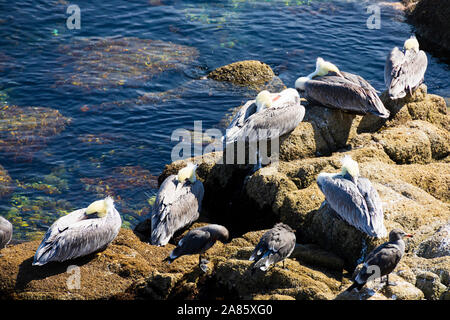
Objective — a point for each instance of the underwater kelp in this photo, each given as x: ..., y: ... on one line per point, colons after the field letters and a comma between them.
x: 5, y: 183
x: 56, y: 182
x: 121, y: 178
x: 32, y: 216
x: 99, y: 139
x: 25, y: 130
x: 106, y: 62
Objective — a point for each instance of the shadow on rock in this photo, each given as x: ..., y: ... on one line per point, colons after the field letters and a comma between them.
x: 28, y: 272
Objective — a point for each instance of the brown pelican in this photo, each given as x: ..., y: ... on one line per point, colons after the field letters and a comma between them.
x: 336, y: 89
x: 404, y: 71
x: 382, y: 260
x: 80, y: 233
x: 353, y: 198
x: 177, y: 204
x: 275, y: 245
x: 198, y: 241
x: 6, y: 231
x: 267, y: 117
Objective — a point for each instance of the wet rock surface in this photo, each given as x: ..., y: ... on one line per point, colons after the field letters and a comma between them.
x: 247, y: 72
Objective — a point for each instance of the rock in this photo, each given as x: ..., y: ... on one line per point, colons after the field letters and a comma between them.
x: 5, y: 183
x: 405, y: 145
x: 403, y: 290
x: 420, y: 106
x: 296, y: 281
x: 272, y: 297
x: 25, y: 130
x: 314, y: 255
x: 430, y: 19
x: 438, y: 245
x: 248, y: 72
x: 102, y: 275
x: 430, y: 285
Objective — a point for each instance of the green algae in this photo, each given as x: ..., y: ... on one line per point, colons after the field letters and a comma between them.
x: 25, y: 130
x: 106, y: 62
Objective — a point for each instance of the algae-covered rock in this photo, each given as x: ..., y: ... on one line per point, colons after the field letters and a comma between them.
x: 405, y: 145
x: 25, y: 130
x: 430, y: 285
x: 248, y: 72
x: 438, y: 245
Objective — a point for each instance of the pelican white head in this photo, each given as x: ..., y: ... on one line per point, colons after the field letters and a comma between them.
x: 411, y: 43
x: 188, y: 173
x: 350, y: 166
x: 263, y: 100
x: 100, y: 207
x: 324, y: 67
x: 300, y: 83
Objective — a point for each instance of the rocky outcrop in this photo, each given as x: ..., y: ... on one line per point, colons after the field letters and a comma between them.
x: 247, y: 72
x: 431, y: 21
x: 405, y: 157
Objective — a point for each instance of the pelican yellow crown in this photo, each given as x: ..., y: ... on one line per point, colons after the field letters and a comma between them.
x: 100, y: 207
x: 349, y: 165
x: 324, y: 67
x: 263, y: 100
x: 187, y: 172
x: 411, y: 43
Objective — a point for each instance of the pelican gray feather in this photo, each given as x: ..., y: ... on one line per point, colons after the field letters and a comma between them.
x: 405, y: 71
x: 275, y: 245
x: 267, y: 117
x: 336, y: 89
x: 6, y: 231
x: 354, y: 198
x: 382, y: 259
x: 177, y: 204
x: 198, y: 241
x: 80, y: 233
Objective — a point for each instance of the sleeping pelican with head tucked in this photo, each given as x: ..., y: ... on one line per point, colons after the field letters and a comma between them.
x: 405, y: 71
x: 268, y: 117
x: 275, y: 113
x: 353, y: 198
x: 177, y: 204
x: 80, y: 233
x: 336, y: 89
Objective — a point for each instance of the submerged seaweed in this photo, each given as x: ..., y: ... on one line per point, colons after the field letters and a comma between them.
x: 105, y: 62
x: 25, y: 130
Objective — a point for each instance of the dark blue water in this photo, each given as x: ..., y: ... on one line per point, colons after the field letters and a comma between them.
x: 40, y: 60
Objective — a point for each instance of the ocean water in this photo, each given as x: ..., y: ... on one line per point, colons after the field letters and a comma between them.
x: 132, y: 74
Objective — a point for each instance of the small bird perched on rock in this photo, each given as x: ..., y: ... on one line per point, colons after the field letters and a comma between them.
x: 275, y: 245
x: 197, y: 241
x: 382, y: 260
x: 177, y: 205
x: 80, y: 233
x: 6, y: 231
